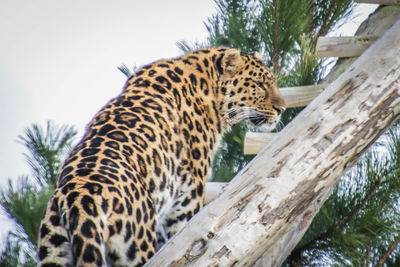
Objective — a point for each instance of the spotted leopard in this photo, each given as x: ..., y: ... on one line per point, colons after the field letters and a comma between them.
x: 138, y: 174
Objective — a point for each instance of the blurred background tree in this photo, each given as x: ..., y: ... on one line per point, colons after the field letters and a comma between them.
x: 25, y: 199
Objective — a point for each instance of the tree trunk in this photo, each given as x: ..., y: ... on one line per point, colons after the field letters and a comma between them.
x: 268, y: 206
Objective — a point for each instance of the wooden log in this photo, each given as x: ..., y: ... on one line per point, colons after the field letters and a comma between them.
x: 379, y: 2
x: 300, y: 96
x: 343, y: 46
x: 268, y: 206
x: 255, y: 142
x: 213, y: 190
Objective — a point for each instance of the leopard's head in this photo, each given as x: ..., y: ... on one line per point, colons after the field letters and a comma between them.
x: 249, y: 90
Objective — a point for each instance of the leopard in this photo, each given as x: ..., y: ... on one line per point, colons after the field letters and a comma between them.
x: 138, y: 174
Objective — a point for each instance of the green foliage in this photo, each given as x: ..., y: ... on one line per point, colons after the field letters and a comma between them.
x: 126, y: 70
x: 12, y: 256
x: 229, y: 152
x: 273, y: 28
x: 46, y: 150
x: 307, y: 70
x: 25, y: 199
x: 25, y: 204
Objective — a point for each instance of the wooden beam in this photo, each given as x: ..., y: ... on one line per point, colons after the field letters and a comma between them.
x: 269, y: 205
x: 343, y: 46
x: 379, y: 2
x: 300, y: 96
x: 255, y: 142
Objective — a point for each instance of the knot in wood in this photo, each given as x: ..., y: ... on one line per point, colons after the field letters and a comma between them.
x: 197, y: 248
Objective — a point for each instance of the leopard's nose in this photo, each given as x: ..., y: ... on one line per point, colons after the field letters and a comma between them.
x: 279, y: 110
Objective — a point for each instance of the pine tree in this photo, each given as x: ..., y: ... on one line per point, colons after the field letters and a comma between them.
x: 25, y: 199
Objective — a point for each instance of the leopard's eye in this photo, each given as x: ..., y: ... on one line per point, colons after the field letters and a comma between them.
x: 265, y: 78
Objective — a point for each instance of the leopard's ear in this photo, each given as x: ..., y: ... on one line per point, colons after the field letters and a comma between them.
x: 258, y: 56
x: 232, y: 61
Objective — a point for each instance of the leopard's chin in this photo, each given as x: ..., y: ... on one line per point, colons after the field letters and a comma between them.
x: 263, y: 124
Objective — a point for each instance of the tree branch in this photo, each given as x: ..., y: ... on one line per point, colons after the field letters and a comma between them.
x: 324, y: 29
x: 368, y: 257
x: 275, y: 57
x: 386, y: 255
x: 351, y: 216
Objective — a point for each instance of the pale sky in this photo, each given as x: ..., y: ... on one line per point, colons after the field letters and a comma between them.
x: 58, y: 59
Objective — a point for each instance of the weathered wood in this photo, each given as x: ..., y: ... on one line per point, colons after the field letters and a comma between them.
x: 271, y: 202
x: 343, y: 46
x: 300, y: 96
x: 255, y: 142
x: 375, y: 25
x: 379, y: 2
x: 213, y: 190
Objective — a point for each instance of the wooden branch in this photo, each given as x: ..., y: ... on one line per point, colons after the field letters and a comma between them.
x: 268, y: 206
x: 379, y: 2
x: 301, y: 96
x: 343, y: 46
x: 360, y: 206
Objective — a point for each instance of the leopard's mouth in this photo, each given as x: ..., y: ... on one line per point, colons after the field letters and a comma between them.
x: 258, y: 121
x: 263, y: 122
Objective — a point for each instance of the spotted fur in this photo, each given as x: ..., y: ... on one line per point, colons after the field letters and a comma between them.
x: 139, y: 172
